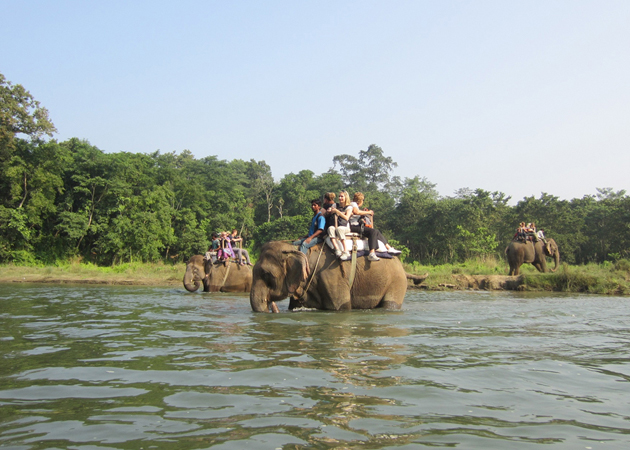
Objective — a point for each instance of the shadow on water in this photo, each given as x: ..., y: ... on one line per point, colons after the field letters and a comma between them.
x: 123, y: 367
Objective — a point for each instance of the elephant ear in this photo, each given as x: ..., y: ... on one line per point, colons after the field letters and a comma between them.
x: 297, y: 270
x: 207, y: 266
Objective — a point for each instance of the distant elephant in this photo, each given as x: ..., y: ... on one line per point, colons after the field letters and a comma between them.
x: 519, y: 252
x: 321, y: 281
x: 217, y: 277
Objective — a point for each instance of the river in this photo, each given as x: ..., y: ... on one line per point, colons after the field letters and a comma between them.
x: 117, y: 367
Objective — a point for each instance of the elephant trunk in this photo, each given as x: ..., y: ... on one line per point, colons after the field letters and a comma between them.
x: 259, y: 297
x: 190, y: 283
x: 556, y: 257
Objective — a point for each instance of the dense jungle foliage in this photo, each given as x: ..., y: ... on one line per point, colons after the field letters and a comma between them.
x: 69, y: 199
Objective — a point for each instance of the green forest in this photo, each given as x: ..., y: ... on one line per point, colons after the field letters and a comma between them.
x: 70, y: 199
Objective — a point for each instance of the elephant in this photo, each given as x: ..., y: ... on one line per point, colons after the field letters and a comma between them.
x: 535, y: 253
x: 321, y: 281
x: 217, y: 277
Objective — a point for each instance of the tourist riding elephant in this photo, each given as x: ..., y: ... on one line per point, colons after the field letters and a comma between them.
x: 535, y: 253
x: 321, y: 281
x: 217, y: 277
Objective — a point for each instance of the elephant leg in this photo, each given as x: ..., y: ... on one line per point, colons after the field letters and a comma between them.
x: 389, y: 304
x: 393, y: 298
x: 213, y: 287
x: 344, y: 307
x: 333, y: 293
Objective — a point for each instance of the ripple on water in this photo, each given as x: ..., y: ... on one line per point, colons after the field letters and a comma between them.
x: 103, y: 365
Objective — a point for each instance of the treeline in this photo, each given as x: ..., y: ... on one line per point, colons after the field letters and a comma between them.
x: 70, y: 199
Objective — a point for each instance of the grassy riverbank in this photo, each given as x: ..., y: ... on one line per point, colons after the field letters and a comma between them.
x: 75, y: 272
x: 607, y: 278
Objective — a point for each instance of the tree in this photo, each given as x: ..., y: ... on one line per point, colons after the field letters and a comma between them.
x: 295, y: 192
x: 480, y: 243
x: 20, y: 113
x: 609, y: 194
x: 369, y: 172
x: 262, y: 184
x: 605, y: 227
x: 31, y: 175
x: 90, y: 184
x: 32, y: 180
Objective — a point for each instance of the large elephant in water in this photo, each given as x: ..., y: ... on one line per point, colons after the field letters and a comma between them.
x: 322, y: 281
x: 217, y: 277
x: 535, y: 253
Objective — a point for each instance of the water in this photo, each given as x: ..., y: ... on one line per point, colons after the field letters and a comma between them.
x: 101, y: 367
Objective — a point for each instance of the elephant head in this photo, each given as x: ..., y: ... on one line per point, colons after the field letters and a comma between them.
x: 551, y: 249
x: 195, y: 273
x: 280, y: 271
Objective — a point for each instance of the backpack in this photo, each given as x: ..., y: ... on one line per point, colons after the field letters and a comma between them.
x: 365, y: 221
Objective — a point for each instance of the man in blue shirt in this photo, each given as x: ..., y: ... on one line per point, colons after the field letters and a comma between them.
x: 316, y: 231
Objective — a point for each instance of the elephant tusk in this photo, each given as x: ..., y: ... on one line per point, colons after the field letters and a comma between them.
x: 274, y: 307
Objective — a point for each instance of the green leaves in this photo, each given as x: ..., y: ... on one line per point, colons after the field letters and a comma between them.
x: 20, y: 113
x: 69, y: 198
x: 369, y: 172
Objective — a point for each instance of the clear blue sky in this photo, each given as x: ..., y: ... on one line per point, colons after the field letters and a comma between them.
x: 521, y: 97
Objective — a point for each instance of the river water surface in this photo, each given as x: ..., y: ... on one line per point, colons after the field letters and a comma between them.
x: 102, y: 367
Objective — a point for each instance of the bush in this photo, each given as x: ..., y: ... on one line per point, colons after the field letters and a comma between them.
x: 622, y: 265
x: 23, y: 258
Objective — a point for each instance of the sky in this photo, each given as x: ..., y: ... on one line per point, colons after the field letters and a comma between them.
x: 521, y: 97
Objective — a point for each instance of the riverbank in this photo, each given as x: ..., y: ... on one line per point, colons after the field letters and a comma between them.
x: 78, y: 273
x: 607, y: 278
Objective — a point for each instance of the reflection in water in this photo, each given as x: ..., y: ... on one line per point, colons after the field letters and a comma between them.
x: 149, y: 367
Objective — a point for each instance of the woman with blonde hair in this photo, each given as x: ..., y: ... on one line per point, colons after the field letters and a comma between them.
x: 343, y: 214
x: 372, y: 234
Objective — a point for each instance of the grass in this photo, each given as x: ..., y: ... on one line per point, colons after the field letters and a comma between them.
x: 79, y: 272
x: 591, y: 278
x: 605, y: 278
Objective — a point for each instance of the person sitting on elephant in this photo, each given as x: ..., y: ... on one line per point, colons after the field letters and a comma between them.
x: 225, y: 252
x: 329, y: 203
x: 541, y: 236
x: 315, y: 231
x: 211, y: 254
x: 215, y: 241
x: 373, y: 235
x: 520, y: 234
x: 530, y: 231
x: 517, y: 234
x: 239, y: 252
x: 339, y: 232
